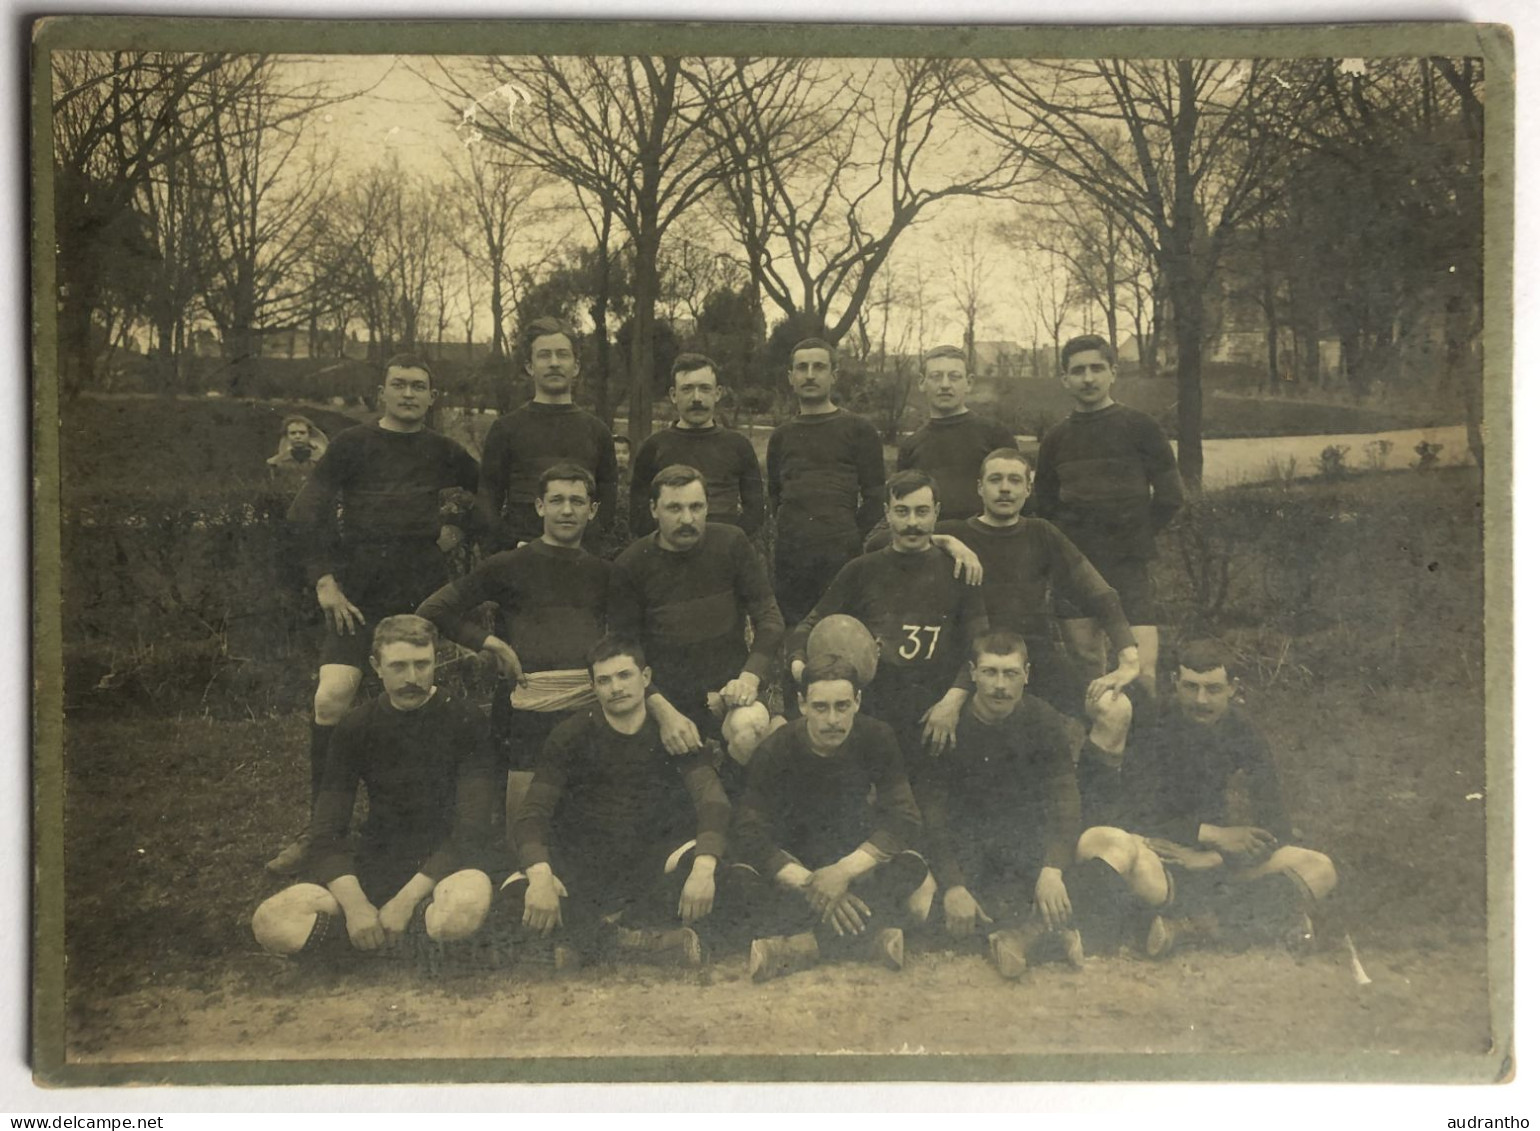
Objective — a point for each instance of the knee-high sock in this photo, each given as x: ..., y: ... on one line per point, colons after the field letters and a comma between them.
x: 1101, y: 900
x: 320, y: 743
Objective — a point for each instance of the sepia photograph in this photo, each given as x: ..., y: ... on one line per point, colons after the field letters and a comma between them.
x: 640, y: 552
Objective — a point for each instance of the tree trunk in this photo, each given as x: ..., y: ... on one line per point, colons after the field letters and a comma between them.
x: 604, y: 407
x: 1187, y: 313
x: 639, y: 427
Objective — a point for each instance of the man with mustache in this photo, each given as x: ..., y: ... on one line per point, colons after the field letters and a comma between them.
x: 1185, y: 804
x: 921, y: 616
x: 619, y: 841
x: 685, y: 591
x: 1002, y: 816
x: 547, y: 429
x: 833, y: 873
x: 424, y: 761
x: 824, y: 472
x: 391, y: 478
x: 550, y: 596
x: 735, y: 491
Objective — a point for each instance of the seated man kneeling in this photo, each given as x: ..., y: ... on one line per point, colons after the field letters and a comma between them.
x: 1187, y: 809
x: 425, y: 761
x: 616, y: 836
x: 1002, y: 816
x: 835, y: 874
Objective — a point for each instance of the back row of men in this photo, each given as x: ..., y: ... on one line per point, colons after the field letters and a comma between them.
x: 674, y: 606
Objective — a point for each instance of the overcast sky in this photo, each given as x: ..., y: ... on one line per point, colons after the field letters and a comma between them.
x: 400, y: 113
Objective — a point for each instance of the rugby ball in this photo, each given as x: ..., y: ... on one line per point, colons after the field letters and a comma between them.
x: 847, y: 638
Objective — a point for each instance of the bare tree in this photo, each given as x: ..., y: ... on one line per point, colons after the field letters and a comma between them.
x: 266, y: 191
x: 494, y: 195
x: 628, y: 132
x: 832, y: 164
x: 1201, y: 146
x: 119, y: 118
x: 968, y: 267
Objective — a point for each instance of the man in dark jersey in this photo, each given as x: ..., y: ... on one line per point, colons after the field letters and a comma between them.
x: 1021, y: 556
x: 685, y: 591
x: 835, y: 875
x: 549, y: 428
x: 617, y: 837
x: 423, y: 758
x: 824, y: 473
x: 550, y: 596
x: 1186, y: 805
x: 391, y: 478
x: 921, y: 616
x: 954, y: 441
x: 734, y: 487
x: 1002, y: 818
x: 1107, y: 478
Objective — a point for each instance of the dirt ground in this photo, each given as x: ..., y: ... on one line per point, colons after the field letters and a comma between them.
x: 1197, y: 1003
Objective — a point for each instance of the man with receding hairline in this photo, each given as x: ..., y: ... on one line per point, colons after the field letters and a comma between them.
x: 953, y: 441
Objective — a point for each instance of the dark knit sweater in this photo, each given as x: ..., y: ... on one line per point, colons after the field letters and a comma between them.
x: 390, y: 485
x: 825, y: 474
x: 550, y: 604
x: 951, y: 450
x: 606, y: 797
x: 802, y: 807
x: 1000, y: 781
x: 735, y: 491
x: 519, y: 447
x: 429, y: 777
x: 922, y: 618
x: 1020, y: 560
x: 688, y: 608
x: 1108, y: 479
x: 1177, y: 774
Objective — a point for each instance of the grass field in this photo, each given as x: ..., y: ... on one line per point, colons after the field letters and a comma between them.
x: 1356, y: 605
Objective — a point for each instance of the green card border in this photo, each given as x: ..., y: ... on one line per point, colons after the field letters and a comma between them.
x: 1493, y: 43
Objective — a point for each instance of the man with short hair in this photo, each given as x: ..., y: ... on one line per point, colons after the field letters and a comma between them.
x: 836, y: 874
x: 548, y: 428
x: 1186, y: 806
x: 550, y: 596
x: 825, y: 474
x: 392, y: 479
x: 1002, y: 818
x: 921, y: 616
x: 1106, y: 477
x: 735, y: 491
x: 685, y: 591
x: 954, y: 440
x: 423, y: 758
x: 1022, y: 557
x: 616, y: 836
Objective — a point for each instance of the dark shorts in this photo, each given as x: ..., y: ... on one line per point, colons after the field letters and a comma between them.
x: 804, y: 570
x: 383, y: 580
x: 1136, y: 590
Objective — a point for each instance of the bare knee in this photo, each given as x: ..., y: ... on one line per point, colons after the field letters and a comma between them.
x: 460, y: 904
x: 335, y: 692
x: 284, y: 922
x: 1103, y: 842
x: 1314, y: 869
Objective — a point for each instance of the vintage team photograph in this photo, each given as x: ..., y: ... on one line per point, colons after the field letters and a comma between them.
x: 623, y: 552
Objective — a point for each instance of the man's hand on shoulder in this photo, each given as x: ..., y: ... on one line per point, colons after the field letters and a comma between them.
x: 680, y: 736
x: 342, y: 616
x: 965, y: 563
x: 940, y: 722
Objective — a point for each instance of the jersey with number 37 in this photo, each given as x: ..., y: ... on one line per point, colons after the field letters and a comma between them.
x: 921, y: 616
